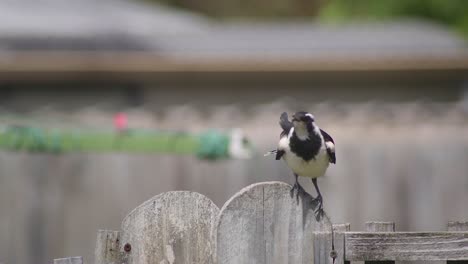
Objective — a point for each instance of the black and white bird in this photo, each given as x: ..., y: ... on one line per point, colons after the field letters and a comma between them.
x: 306, y: 149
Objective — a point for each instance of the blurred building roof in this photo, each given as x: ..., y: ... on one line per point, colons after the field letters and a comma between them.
x: 88, y: 24
x: 305, y: 39
x: 130, y: 36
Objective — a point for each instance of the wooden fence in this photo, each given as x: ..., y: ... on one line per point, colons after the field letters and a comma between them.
x: 261, y: 224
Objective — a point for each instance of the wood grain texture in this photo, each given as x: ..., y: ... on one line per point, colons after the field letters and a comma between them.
x: 263, y: 224
x: 406, y: 246
x: 322, y: 247
x: 376, y: 226
x: 69, y: 260
x: 323, y: 242
x: 457, y: 226
x: 107, y: 247
x: 173, y: 227
x: 339, y: 230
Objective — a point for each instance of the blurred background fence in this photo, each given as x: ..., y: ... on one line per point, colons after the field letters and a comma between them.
x: 391, y: 90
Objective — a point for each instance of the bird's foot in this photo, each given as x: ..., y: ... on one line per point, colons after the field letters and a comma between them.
x: 319, y: 214
x: 298, y: 189
x: 318, y: 203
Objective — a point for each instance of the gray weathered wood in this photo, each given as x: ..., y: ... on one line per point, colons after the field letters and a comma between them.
x: 107, y: 247
x: 406, y: 246
x: 458, y: 226
x: 69, y: 260
x: 263, y: 224
x: 173, y: 227
x: 323, y: 242
x: 339, y: 230
x: 323, y: 246
x: 375, y: 226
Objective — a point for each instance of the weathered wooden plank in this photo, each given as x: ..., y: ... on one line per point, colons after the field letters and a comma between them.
x: 339, y: 230
x: 375, y: 226
x: 323, y: 243
x: 107, y: 247
x: 322, y: 246
x: 458, y: 226
x: 406, y: 246
x: 69, y: 260
x: 264, y: 224
x: 173, y: 227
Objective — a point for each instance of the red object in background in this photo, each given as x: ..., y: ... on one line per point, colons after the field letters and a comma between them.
x: 121, y: 122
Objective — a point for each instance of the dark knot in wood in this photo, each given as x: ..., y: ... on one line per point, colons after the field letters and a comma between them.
x: 127, y: 247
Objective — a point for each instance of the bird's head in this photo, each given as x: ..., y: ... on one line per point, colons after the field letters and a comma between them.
x: 304, y: 117
x: 303, y: 123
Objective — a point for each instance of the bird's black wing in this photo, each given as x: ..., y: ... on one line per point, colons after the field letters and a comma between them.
x: 330, y: 145
x: 285, y: 124
x: 279, y: 154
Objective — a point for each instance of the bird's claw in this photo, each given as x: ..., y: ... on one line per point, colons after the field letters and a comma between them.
x: 315, y: 204
x: 319, y: 214
x: 318, y: 203
x: 299, y: 191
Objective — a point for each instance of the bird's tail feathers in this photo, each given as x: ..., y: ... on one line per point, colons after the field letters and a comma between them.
x: 285, y: 123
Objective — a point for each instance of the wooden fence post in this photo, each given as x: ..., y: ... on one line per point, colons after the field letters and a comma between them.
x: 457, y: 226
x: 107, y: 247
x: 380, y: 227
x: 339, y: 230
x: 173, y: 227
x: 70, y: 260
x: 265, y: 224
x: 323, y: 243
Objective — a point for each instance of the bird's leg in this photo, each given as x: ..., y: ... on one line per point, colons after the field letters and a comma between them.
x: 297, y: 187
x: 318, y: 200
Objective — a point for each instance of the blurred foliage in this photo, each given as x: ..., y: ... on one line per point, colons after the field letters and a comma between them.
x: 453, y: 13
x: 209, y: 145
x: 213, y: 145
x: 33, y: 139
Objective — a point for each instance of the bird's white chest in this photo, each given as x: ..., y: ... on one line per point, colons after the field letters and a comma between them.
x: 313, y: 168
